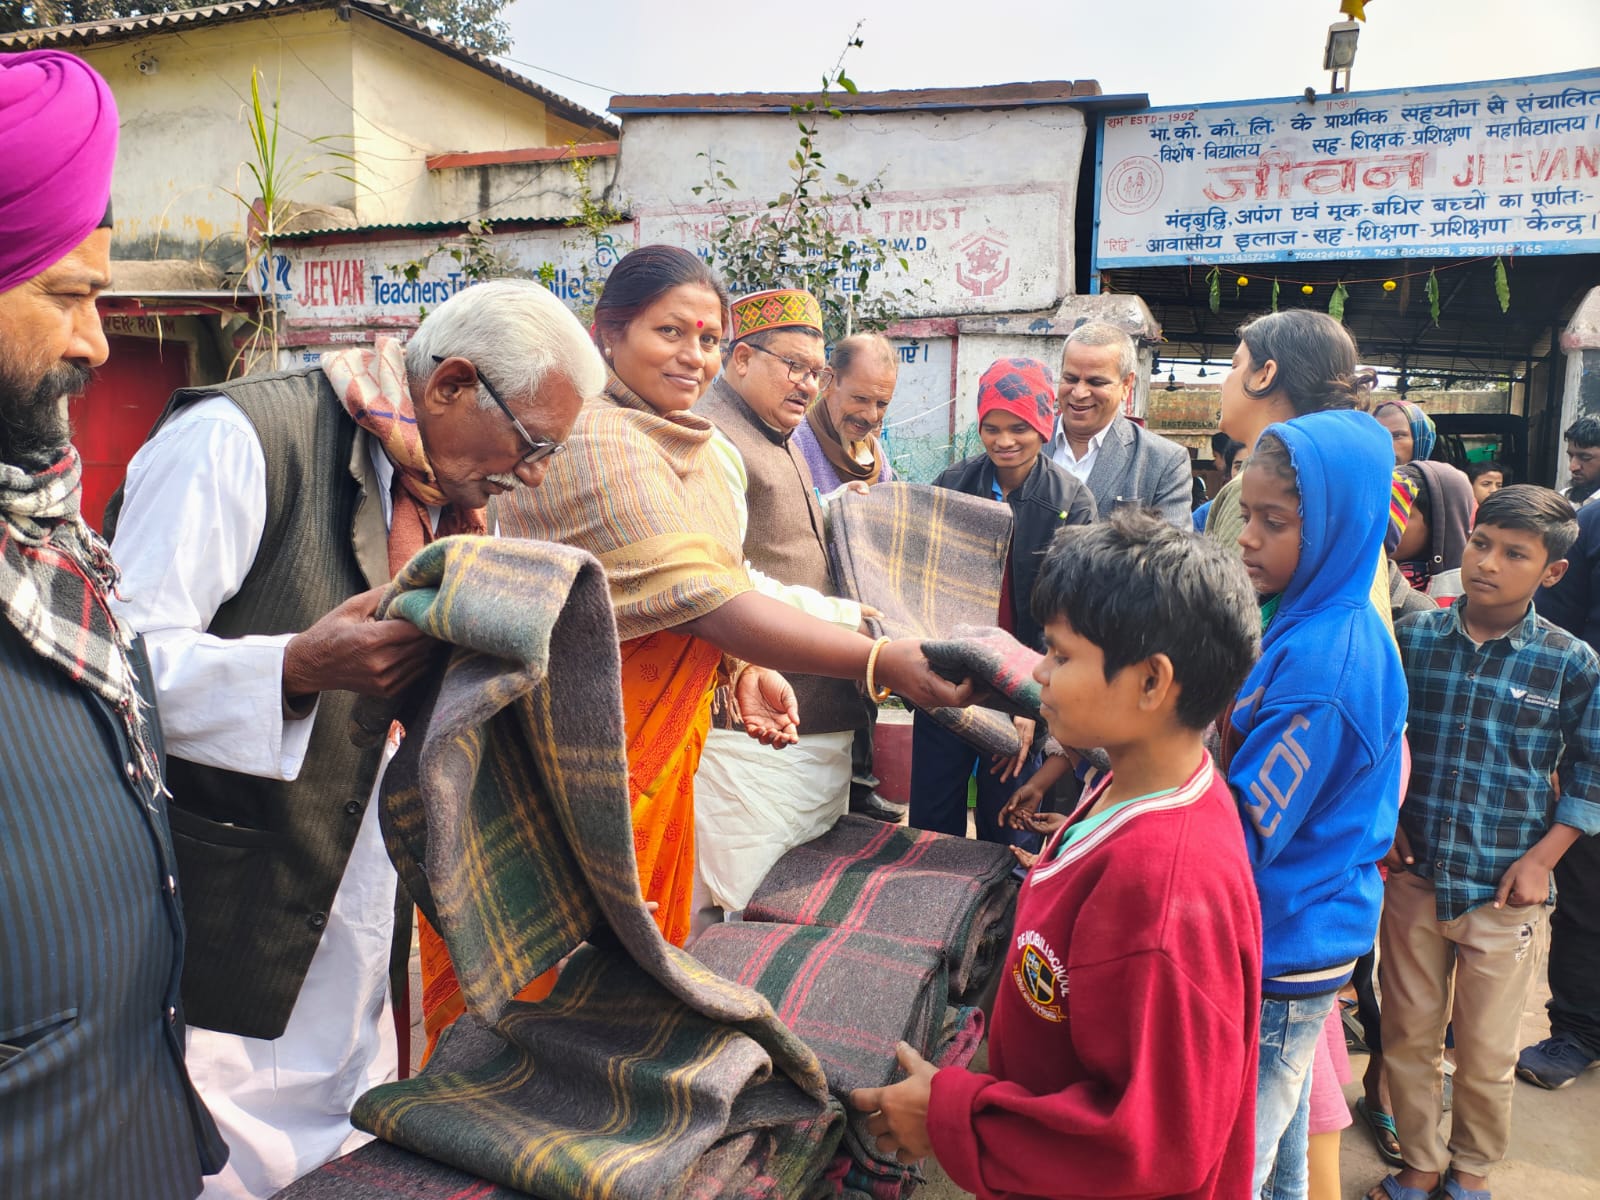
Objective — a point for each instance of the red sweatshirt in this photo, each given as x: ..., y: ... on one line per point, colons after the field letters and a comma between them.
x: 1123, y: 1045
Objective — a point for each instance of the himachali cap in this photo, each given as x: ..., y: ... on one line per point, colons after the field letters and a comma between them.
x: 58, y: 141
x: 1022, y: 387
x: 782, y: 308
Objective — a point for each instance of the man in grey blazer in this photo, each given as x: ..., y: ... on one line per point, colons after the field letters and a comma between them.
x: 1122, y: 463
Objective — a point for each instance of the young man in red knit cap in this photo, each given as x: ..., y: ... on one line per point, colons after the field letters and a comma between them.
x: 1016, y: 412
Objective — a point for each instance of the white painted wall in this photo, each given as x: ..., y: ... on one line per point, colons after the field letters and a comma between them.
x: 979, y: 202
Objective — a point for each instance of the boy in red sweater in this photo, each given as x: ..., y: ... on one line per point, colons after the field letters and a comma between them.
x: 1122, y: 1051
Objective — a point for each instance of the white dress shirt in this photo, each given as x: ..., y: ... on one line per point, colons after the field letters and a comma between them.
x: 193, y: 516
x: 1061, y: 452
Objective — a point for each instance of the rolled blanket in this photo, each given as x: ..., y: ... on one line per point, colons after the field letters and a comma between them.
x: 929, y: 559
x: 949, y: 895
x: 991, y: 657
x: 507, y: 814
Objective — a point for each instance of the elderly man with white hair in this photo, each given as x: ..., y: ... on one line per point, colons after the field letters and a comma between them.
x: 258, y: 526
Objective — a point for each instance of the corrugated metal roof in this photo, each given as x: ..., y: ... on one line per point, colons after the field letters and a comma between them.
x: 358, y: 233
x: 88, y: 33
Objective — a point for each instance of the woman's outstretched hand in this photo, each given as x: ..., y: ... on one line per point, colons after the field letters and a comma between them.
x: 767, y: 706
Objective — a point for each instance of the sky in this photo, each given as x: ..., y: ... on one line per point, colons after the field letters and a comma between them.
x: 1175, y: 51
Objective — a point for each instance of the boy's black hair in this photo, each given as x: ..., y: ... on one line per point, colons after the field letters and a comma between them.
x: 1136, y: 586
x: 1477, y: 470
x: 1536, y: 509
x: 1584, y: 432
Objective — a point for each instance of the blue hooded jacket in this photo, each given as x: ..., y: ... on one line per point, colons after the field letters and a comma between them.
x: 1318, y: 721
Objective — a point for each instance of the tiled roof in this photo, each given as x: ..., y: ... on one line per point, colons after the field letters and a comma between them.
x: 88, y: 33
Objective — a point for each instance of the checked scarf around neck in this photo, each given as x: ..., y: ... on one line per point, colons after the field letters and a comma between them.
x: 56, y: 578
x: 372, y: 384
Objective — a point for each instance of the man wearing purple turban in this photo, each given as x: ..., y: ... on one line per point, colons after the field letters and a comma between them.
x: 94, y: 1096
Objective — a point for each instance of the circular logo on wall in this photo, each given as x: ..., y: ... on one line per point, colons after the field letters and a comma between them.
x: 1133, y: 185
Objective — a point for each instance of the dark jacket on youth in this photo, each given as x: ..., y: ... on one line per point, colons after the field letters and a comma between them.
x: 94, y: 1097
x: 1450, y: 506
x: 1048, y: 499
x: 1574, y: 602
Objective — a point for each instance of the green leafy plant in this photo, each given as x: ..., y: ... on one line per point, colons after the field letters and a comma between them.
x: 1214, y: 288
x: 473, y: 250
x: 278, y: 171
x: 801, y: 238
x: 1502, y: 286
x: 1431, y: 290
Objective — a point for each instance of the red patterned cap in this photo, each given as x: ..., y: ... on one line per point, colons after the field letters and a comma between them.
x: 1022, y: 387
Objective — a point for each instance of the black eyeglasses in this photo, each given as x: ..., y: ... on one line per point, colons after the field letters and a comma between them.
x: 799, y: 371
x: 539, y: 449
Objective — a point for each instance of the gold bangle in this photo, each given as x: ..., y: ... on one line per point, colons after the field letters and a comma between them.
x: 879, y: 695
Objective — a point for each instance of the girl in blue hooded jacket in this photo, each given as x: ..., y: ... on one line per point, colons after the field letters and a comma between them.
x: 1312, y: 745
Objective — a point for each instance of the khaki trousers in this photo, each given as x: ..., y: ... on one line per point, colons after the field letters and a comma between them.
x: 1477, y: 967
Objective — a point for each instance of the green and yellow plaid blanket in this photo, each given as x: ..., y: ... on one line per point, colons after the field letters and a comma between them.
x: 930, y: 560
x: 507, y: 814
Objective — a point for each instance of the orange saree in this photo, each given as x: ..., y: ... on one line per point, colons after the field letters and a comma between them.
x: 636, y: 490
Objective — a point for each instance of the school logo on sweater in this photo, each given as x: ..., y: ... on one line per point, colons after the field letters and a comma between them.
x: 1040, y: 976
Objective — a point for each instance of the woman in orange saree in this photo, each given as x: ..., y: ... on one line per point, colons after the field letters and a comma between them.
x: 638, y: 489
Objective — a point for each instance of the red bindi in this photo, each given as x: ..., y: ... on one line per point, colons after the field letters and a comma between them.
x: 699, y: 324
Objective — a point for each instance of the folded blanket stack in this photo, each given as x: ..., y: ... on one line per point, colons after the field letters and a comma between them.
x: 853, y: 996
x: 948, y: 895
x: 929, y: 559
x: 506, y: 812
x: 856, y: 1176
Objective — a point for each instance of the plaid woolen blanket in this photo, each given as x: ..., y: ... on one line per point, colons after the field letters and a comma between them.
x: 754, y: 1159
x: 992, y: 657
x: 949, y: 895
x: 929, y: 559
x: 858, y: 1172
x: 506, y: 812
x: 850, y: 995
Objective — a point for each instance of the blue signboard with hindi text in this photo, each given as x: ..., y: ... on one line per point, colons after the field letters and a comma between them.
x: 1505, y: 168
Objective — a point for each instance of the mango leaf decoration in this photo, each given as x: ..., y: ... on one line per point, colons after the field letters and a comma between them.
x: 1336, y: 302
x: 1502, y: 286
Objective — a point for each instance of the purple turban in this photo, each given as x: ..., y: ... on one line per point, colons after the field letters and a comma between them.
x: 58, y: 141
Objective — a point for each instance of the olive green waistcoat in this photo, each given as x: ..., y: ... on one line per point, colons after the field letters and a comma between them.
x: 259, y: 860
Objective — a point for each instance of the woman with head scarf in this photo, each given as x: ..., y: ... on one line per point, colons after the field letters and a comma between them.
x: 1412, y: 429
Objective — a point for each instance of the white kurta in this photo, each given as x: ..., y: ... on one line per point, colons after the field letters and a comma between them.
x: 752, y: 804
x: 192, y: 520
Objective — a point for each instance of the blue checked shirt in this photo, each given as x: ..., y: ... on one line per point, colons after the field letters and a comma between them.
x: 1488, y: 727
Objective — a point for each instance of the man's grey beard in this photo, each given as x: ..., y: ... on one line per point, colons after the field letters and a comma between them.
x: 33, y: 419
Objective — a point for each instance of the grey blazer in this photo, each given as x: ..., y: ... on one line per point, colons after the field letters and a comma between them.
x: 1135, y: 466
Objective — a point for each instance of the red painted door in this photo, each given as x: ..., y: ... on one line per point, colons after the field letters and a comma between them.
x: 111, y: 420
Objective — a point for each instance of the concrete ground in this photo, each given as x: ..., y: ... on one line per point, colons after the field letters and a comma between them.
x: 1555, y: 1150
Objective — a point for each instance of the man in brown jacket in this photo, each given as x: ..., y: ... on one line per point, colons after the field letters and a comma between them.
x: 776, y: 366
